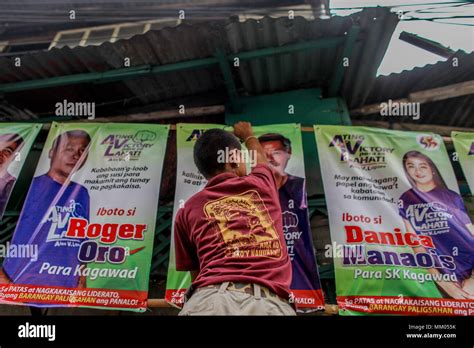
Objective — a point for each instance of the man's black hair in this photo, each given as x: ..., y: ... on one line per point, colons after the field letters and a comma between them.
x: 206, y: 150
x: 14, y: 137
x: 275, y: 136
x: 77, y: 133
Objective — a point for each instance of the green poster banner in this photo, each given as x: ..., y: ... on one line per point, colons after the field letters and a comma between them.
x: 89, y: 219
x: 402, y: 241
x: 464, y: 146
x: 283, y: 146
x: 16, y: 140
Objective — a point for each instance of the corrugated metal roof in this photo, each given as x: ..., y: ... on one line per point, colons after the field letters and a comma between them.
x: 314, y: 68
x: 452, y: 112
x: 187, y: 42
x: 10, y: 112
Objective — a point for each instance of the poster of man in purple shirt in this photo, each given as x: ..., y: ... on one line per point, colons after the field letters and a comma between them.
x: 296, y: 226
x: 53, y: 198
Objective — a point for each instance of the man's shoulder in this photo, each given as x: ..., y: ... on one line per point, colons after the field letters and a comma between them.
x: 196, y: 200
x: 265, y: 167
x: 75, y: 186
x: 41, y: 182
x: 7, y: 181
x: 197, y: 197
x: 262, y: 170
x: 8, y: 177
x: 79, y: 186
x: 43, y: 177
x: 295, y: 180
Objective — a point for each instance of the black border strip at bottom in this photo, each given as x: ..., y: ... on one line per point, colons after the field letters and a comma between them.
x: 135, y: 330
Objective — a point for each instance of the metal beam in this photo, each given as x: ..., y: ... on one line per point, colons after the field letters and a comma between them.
x: 107, y: 76
x: 428, y: 45
x: 235, y: 104
x: 349, y: 44
x: 148, y: 70
x: 426, y: 96
x: 327, y: 42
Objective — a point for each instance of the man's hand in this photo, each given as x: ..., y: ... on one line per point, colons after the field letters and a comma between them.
x: 243, y: 130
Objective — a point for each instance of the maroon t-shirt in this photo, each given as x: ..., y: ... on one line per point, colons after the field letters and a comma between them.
x: 232, y: 231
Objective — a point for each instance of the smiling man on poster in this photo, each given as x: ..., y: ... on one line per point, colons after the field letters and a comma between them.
x: 305, y: 285
x: 52, y: 200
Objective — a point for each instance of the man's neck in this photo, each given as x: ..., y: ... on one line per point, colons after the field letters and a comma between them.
x: 58, y: 177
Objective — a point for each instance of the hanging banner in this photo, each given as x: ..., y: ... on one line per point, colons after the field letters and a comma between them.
x: 88, y: 222
x: 284, y: 149
x: 464, y: 146
x: 283, y: 146
x: 402, y: 241
x: 16, y: 140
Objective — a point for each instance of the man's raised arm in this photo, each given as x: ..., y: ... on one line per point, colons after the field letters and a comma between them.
x: 244, y: 131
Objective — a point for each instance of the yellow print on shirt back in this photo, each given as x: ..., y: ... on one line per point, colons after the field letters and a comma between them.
x: 245, y: 225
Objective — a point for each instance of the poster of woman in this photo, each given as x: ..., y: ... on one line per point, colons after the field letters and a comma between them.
x: 430, y: 208
x: 402, y: 240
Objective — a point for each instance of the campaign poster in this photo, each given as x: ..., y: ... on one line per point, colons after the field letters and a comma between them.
x: 402, y: 241
x: 16, y: 140
x: 464, y: 146
x: 283, y: 146
x: 87, y: 225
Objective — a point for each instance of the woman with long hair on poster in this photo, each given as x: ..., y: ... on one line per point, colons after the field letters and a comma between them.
x: 430, y: 208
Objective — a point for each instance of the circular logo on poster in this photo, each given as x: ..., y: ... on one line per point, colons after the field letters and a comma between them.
x: 428, y: 141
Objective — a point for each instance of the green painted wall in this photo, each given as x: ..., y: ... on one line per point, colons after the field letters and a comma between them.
x: 309, y: 108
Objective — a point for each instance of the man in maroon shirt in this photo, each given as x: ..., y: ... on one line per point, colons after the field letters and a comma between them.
x: 230, y: 234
